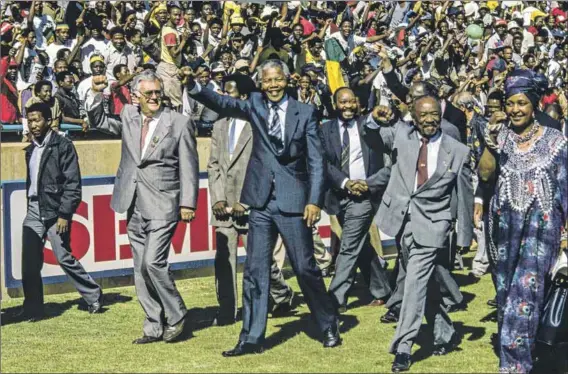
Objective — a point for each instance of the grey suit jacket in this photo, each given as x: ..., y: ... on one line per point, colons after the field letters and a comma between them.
x: 431, y: 204
x: 226, y: 175
x: 166, y: 177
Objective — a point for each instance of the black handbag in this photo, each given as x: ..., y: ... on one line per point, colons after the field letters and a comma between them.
x: 553, y: 329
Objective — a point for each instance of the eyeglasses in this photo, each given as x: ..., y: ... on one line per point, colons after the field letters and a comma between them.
x: 149, y: 94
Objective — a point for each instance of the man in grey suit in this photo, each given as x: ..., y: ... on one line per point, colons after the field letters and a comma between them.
x: 428, y: 167
x: 231, y: 147
x: 156, y: 184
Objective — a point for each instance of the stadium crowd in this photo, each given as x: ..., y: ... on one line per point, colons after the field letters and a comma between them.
x: 483, y: 63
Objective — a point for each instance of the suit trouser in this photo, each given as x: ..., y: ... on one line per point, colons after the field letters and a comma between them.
x: 227, y: 239
x: 355, y: 218
x: 421, y: 297
x: 321, y: 254
x: 155, y: 287
x: 481, y: 259
x: 451, y: 294
x: 33, y: 240
x: 264, y: 226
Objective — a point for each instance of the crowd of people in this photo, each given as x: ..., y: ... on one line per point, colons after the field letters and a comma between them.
x: 447, y: 120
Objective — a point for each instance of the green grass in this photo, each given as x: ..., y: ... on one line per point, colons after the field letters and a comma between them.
x: 74, y: 341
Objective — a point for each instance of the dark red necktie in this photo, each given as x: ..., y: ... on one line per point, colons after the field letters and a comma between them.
x: 422, y: 165
x: 144, y: 132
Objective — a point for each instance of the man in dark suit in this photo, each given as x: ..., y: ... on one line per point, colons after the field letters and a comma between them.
x: 429, y: 171
x: 284, y: 188
x: 354, y: 159
x: 231, y: 146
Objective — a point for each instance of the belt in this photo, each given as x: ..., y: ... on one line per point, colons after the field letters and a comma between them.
x: 33, y: 198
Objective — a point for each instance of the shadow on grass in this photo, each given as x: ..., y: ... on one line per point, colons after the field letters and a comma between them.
x: 425, y: 340
x: 306, y: 324
x: 465, y: 279
x: 53, y: 310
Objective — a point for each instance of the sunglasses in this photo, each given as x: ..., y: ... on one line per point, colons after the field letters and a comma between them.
x: 149, y: 94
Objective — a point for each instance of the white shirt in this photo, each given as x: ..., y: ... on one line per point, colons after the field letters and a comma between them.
x: 239, y: 126
x: 433, y: 151
x: 356, y: 162
x: 35, y: 162
x: 151, y: 130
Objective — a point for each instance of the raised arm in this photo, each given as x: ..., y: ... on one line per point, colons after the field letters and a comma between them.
x: 95, y: 111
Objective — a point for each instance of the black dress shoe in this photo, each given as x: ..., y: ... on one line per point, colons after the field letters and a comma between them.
x: 25, y: 315
x: 223, y: 321
x: 389, y: 317
x: 284, y: 308
x: 146, y: 340
x: 492, y: 303
x: 401, y: 362
x: 444, y: 349
x: 172, y: 332
x: 97, y: 306
x: 242, y: 349
x: 331, y: 337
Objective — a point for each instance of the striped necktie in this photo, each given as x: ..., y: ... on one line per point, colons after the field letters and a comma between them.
x: 345, y: 151
x: 275, y: 129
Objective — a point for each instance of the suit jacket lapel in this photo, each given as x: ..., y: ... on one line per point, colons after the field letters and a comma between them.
x: 335, y: 139
x: 292, y: 120
x: 442, y: 164
x: 162, y: 128
x: 411, y: 148
x: 136, y: 131
x: 244, y: 138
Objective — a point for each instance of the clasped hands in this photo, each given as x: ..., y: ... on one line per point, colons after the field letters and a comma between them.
x: 221, y: 210
x: 357, y: 187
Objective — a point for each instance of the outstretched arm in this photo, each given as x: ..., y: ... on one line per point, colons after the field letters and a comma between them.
x: 225, y: 105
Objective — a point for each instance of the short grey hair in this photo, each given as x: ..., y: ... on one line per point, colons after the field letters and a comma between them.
x: 273, y: 64
x: 146, y: 76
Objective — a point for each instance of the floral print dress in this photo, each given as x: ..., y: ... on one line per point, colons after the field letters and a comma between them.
x: 527, y: 214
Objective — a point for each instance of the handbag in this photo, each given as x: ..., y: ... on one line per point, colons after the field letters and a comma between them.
x: 553, y: 327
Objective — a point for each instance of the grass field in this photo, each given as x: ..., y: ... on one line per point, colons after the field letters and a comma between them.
x: 71, y: 340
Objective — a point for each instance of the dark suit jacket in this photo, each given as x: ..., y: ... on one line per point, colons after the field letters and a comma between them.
x: 372, y: 148
x: 297, y: 173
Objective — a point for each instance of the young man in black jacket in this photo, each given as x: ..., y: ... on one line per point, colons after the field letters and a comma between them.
x: 54, y: 193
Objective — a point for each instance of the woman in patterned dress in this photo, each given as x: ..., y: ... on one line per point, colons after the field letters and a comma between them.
x: 528, y: 161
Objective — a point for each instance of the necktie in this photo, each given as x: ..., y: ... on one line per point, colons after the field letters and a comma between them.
x: 422, y: 165
x: 232, y: 139
x: 275, y: 131
x: 144, y: 132
x: 345, y: 151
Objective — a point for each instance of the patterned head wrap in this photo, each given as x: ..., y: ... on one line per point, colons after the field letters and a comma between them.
x: 527, y: 82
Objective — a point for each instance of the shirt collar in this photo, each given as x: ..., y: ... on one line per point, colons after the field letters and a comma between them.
x: 155, y: 117
x: 45, y: 140
x: 349, y: 123
x: 281, y: 104
x: 433, y: 139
